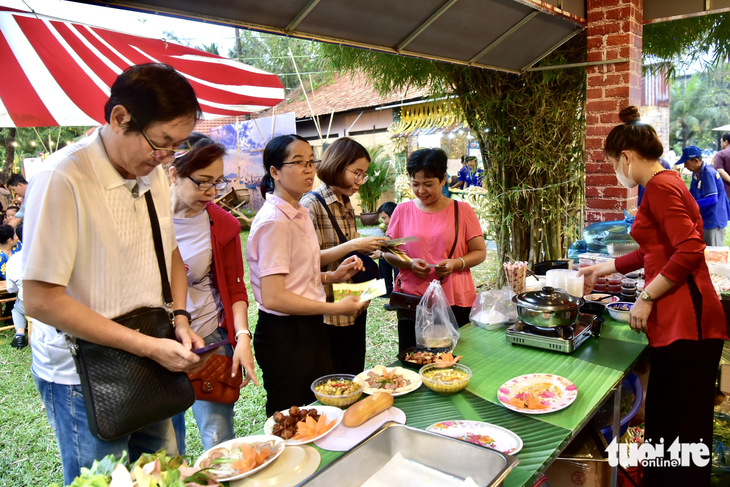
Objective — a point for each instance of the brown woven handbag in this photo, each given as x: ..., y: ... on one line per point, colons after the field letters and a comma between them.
x: 214, y: 383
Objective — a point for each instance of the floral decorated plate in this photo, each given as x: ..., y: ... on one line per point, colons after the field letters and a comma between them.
x: 482, y: 434
x: 537, y: 393
x: 396, y: 381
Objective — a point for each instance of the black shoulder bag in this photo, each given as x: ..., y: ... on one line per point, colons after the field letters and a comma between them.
x: 372, y: 271
x: 123, y: 392
x: 405, y: 304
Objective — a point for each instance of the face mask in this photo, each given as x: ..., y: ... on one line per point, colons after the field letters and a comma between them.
x: 624, y: 180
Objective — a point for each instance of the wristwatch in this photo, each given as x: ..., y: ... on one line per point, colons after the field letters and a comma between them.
x: 243, y: 332
x: 646, y: 297
x: 182, y: 312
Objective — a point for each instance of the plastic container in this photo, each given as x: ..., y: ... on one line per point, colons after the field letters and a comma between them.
x: 567, y: 280
x: 337, y: 400
x: 615, y: 279
x: 632, y: 382
x: 600, y: 288
x: 445, y: 386
x: 628, y: 290
x: 628, y: 283
x: 602, y: 280
x: 541, y: 268
x: 614, y: 289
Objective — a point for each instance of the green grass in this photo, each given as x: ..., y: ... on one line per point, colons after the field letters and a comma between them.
x: 28, y: 452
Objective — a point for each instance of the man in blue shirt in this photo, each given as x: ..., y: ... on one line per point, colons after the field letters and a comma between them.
x: 708, y: 189
x: 469, y: 175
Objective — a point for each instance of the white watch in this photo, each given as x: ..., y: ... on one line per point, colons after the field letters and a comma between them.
x: 243, y: 332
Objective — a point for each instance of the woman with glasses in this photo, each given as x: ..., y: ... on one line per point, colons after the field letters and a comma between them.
x: 284, y: 259
x: 342, y: 172
x: 210, y: 245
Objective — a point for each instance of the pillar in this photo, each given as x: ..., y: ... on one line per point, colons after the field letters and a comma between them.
x: 614, y: 32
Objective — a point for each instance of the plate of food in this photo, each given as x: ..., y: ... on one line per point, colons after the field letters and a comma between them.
x: 482, y: 434
x: 537, y: 393
x: 396, y: 381
x: 415, y: 358
x: 299, y: 426
x: 238, y: 458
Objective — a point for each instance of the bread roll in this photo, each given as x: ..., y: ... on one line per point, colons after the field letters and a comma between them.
x: 361, y: 411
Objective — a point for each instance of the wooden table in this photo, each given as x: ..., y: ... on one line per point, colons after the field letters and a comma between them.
x: 596, y: 368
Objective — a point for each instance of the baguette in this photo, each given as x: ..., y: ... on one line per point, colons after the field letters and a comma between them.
x: 371, y: 406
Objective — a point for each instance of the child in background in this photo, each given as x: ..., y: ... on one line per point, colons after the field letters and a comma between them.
x: 14, y: 277
x: 387, y: 271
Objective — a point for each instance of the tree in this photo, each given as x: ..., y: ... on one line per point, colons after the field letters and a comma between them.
x: 21, y: 143
x: 271, y: 53
x: 530, y: 128
x: 698, y: 104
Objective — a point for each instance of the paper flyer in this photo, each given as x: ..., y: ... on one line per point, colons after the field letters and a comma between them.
x: 366, y: 290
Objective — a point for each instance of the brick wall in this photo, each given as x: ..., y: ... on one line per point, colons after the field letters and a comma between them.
x: 657, y: 117
x: 614, y: 31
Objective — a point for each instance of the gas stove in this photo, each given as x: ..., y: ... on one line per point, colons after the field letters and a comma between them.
x: 562, y: 339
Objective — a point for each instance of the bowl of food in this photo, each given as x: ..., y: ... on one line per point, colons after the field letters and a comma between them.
x: 619, y: 311
x: 445, y: 379
x: 601, y: 297
x: 339, y: 390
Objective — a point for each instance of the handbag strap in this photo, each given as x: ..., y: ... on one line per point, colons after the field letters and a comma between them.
x: 336, y: 227
x: 456, y: 228
x: 159, y: 250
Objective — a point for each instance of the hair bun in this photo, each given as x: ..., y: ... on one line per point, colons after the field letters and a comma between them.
x: 629, y: 114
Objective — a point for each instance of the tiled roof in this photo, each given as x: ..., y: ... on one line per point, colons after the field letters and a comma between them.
x: 346, y: 92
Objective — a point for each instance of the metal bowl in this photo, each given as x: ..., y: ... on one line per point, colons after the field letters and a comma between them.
x: 548, y: 308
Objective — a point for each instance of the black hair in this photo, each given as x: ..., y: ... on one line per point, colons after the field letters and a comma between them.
x: 203, y: 152
x: 726, y: 136
x: 19, y: 232
x: 388, y: 208
x: 16, y: 179
x: 633, y: 135
x: 12, y: 207
x: 275, y: 153
x: 6, y: 233
x: 432, y: 162
x: 152, y: 93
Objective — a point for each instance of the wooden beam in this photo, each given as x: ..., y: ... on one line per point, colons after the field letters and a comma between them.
x: 301, y: 15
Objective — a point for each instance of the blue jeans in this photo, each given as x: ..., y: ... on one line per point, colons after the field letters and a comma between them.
x: 79, y: 448
x: 215, y: 420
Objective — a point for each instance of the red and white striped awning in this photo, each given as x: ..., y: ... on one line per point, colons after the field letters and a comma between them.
x: 60, y: 73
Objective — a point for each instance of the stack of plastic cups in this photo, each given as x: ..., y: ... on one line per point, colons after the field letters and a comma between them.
x: 628, y: 290
x: 614, y: 283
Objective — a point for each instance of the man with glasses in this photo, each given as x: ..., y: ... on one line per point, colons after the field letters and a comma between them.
x: 89, y: 254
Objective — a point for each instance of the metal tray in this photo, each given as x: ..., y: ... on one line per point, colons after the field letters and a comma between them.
x: 485, y: 466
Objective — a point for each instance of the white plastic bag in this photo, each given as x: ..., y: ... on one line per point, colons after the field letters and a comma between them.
x: 493, y: 309
x: 436, y: 326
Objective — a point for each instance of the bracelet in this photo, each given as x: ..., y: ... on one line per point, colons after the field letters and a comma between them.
x: 243, y: 332
x: 463, y: 263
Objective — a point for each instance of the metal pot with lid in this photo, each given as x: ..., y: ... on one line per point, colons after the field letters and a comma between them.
x: 548, y: 308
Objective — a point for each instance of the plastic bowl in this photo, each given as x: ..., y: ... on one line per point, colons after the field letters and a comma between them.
x: 630, y: 382
x: 445, y: 386
x: 620, y: 311
x: 337, y: 400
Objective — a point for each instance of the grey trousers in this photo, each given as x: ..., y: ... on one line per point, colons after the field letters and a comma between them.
x: 18, y: 313
x: 714, y: 237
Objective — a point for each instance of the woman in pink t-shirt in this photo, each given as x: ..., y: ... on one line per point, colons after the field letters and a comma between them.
x: 430, y: 218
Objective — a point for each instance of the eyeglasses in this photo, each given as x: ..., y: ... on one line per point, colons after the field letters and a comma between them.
x: 162, y: 152
x: 218, y: 185
x: 360, y: 177
x: 302, y: 164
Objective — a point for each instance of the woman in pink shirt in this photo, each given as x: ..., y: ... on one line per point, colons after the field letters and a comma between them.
x: 284, y: 259
x: 430, y: 218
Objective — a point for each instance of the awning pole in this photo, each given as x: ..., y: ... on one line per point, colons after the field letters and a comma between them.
x: 580, y: 65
